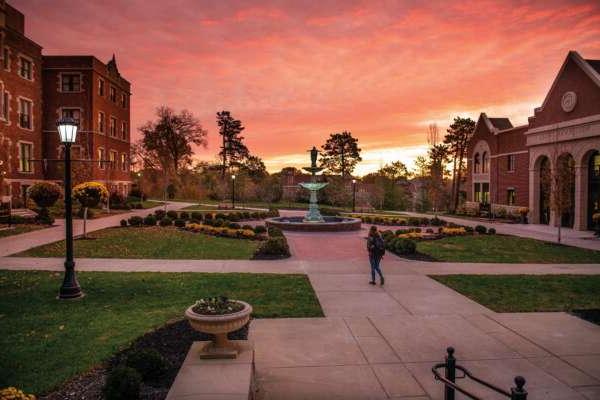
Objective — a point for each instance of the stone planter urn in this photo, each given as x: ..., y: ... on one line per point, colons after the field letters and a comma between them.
x: 219, y: 326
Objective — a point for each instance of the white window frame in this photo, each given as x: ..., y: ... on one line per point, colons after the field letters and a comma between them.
x: 20, y: 157
x: 22, y: 56
x: 101, y: 87
x: 32, y: 123
x: 112, y: 132
x: 113, y: 162
x: 124, y: 130
x: 101, y: 126
x: 61, y: 76
x: 101, y: 164
x: 124, y: 162
x: 80, y: 120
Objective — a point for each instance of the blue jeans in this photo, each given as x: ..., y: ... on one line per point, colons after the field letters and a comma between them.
x: 375, y: 260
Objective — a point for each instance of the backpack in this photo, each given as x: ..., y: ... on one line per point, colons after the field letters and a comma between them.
x: 379, y: 246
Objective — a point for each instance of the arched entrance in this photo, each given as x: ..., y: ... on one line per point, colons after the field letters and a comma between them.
x: 593, y: 187
x: 564, y: 197
x: 544, y: 190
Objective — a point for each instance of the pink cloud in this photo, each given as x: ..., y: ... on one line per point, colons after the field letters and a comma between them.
x: 296, y: 71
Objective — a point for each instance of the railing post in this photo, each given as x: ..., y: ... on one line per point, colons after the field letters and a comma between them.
x: 450, y: 373
x: 518, y: 393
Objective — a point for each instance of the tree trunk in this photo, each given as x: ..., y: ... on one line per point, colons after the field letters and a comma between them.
x: 458, y: 179
x: 454, y: 185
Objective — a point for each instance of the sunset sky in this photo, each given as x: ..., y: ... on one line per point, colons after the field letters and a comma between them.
x: 296, y: 71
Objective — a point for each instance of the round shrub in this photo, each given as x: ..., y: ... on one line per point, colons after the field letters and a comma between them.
x: 274, y: 247
x: 219, y: 222
x: 245, y: 215
x: 404, y: 246
x: 184, y: 215
x: 220, y: 216
x: 247, y: 227
x: 150, y: 220
x: 233, y: 225
x: 260, y: 229
x: 123, y: 223
x: 429, y: 230
x: 491, y: 231
x: 274, y: 231
x: 135, y: 220
x: 424, y: 221
x: 481, y: 229
x: 123, y: 383
x: 194, y: 221
x: 197, y: 215
x: 166, y: 221
x: 90, y: 194
x: 160, y: 214
x: 180, y: 223
x: 172, y: 214
x: 234, y: 216
x: 255, y: 215
x: 208, y: 216
x: 44, y: 194
x: 149, y: 363
x: 469, y: 229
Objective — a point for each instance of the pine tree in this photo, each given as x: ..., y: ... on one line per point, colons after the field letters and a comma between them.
x: 233, y: 151
x: 341, y: 153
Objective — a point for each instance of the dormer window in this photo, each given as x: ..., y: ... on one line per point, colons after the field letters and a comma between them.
x: 476, y: 164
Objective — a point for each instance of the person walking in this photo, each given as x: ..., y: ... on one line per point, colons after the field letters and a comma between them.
x: 376, y: 249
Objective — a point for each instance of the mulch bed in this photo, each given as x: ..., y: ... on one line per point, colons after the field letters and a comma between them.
x: 417, y: 257
x: 592, y: 315
x: 172, y: 341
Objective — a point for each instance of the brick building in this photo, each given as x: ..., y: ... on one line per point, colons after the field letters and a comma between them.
x: 510, y: 167
x: 20, y: 105
x: 86, y: 89
x: 35, y: 91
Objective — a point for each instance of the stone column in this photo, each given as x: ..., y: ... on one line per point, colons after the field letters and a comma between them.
x: 534, y: 197
x: 581, y: 197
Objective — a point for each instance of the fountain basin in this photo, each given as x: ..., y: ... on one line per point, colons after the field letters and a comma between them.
x: 329, y: 224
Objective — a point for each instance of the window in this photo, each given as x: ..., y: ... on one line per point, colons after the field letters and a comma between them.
x: 124, y: 130
x: 123, y: 162
x: 70, y: 82
x: 113, y: 127
x: 485, y: 193
x: 101, y: 157
x: 74, y: 113
x: 477, y: 192
x: 26, y: 68
x: 511, y: 197
x: 511, y: 162
x: 113, y: 159
x: 25, y: 157
x: 485, y: 163
x: 5, y: 105
x: 25, y: 117
x: 101, y: 122
x: 113, y: 94
x: 6, y: 58
x: 123, y: 100
x: 476, y: 164
x: 101, y: 87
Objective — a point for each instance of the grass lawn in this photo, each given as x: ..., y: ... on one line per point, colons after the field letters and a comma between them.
x: 528, y: 293
x: 45, y: 341
x: 504, y: 249
x: 150, y: 242
x: 21, y: 228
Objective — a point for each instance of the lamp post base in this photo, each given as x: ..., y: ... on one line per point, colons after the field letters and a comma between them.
x: 70, y: 288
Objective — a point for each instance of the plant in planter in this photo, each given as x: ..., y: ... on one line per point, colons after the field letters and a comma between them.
x: 523, y: 211
x: 596, y: 219
x: 218, y: 316
x: 44, y: 194
x: 89, y: 194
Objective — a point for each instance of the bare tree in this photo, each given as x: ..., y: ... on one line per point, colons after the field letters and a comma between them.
x: 432, y: 135
x: 562, y: 179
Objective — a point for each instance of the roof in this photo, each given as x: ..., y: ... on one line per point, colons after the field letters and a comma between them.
x: 501, y: 123
x: 594, y: 64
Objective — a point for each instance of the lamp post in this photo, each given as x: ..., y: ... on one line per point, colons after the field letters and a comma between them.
x: 70, y: 289
x: 139, y: 176
x: 232, y: 191
x: 353, y: 195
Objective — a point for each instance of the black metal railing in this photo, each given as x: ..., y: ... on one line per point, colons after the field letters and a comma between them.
x: 450, y: 387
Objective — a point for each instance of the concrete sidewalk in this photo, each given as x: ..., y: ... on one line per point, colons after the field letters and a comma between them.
x: 15, y: 244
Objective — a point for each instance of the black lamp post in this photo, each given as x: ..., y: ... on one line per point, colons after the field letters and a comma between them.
x: 353, y: 195
x: 232, y: 191
x: 70, y: 289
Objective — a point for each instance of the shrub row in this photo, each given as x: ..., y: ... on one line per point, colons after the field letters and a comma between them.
x: 410, y: 221
x: 234, y: 216
x: 225, y: 232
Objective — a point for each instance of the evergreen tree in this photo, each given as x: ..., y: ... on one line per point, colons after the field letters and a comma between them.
x: 233, y: 151
x: 457, y: 138
x: 340, y: 153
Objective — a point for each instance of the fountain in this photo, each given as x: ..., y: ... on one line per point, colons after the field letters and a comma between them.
x: 313, y: 220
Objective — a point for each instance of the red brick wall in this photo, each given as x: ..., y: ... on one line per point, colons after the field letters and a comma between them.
x: 576, y: 80
x: 10, y: 131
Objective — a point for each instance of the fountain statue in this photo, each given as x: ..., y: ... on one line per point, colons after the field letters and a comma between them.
x: 313, y: 186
